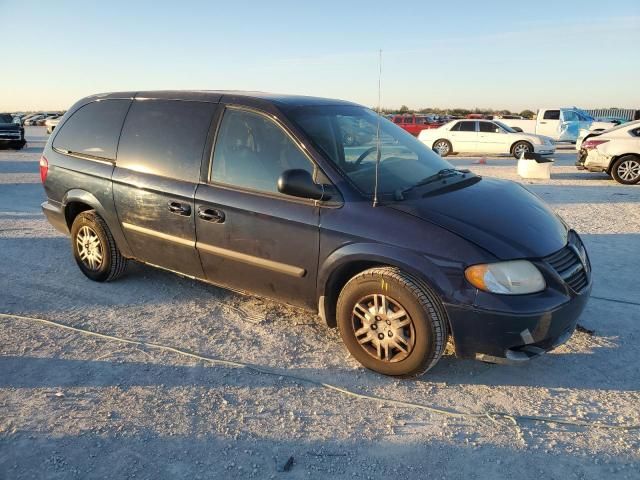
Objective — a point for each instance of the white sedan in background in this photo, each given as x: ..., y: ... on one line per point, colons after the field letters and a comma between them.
x: 484, y: 136
x: 51, y: 123
x: 615, y: 151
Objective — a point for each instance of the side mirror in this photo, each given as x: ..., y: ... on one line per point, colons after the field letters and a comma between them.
x: 299, y: 183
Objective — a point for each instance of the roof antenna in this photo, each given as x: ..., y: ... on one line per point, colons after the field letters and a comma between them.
x: 378, y: 152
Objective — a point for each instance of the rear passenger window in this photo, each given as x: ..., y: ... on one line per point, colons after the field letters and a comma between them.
x: 165, y: 137
x: 464, y: 127
x: 93, y: 129
x: 252, y: 152
x: 551, y: 115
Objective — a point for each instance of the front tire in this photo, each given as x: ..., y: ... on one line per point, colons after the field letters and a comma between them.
x: 391, y: 322
x: 626, y: 170
x: 94, y: 248
x: 521, y: 147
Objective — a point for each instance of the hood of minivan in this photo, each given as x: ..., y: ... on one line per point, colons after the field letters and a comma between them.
x: 500, y: 216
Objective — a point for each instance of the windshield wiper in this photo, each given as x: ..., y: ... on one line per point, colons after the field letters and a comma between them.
x: 444, y: 173
x: 440, y: 175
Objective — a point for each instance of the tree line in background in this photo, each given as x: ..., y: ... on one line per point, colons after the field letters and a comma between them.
x: 459, y: 112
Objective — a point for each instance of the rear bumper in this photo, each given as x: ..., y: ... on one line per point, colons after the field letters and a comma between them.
x: 592, y: 160
x: 55, y: 215
x: 511, y: 336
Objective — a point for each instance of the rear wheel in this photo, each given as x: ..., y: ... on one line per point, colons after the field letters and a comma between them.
x: 626, y: 170
x: 94, y: 248
x: 391, y: 322
x: 521, y: 147
x: 442, y: 147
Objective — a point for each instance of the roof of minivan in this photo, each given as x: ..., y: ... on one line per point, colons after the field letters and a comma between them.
x: 226, y: 95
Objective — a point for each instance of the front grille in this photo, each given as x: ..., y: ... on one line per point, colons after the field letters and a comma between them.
x: 568, y: 264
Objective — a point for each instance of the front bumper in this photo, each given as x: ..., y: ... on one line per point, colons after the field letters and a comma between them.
x: 12, y: 143
x: 544, y: 149
x: 502, y: 328
x: 508, y: 336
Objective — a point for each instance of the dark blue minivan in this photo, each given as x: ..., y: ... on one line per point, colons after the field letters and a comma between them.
x: 321, y: 204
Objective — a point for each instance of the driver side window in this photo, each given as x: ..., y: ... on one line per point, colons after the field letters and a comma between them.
x: 252, y: 151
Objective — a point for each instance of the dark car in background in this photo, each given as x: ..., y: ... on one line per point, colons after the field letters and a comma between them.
x: 11, y: 133
x: 259, y: 193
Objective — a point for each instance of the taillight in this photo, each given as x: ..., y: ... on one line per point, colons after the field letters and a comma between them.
x: 591, y: 144
x: 44, y: 168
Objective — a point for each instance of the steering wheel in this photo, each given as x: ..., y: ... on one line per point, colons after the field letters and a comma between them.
x: 364, y: 155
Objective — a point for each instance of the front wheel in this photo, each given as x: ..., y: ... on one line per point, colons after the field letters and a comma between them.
x: 626, y: 170
x: 391, y: 322
x: 94, y: 248
x: 520, y: 148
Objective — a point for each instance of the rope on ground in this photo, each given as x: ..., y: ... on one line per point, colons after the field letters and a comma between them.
x: 491, y: 415
x: 615, y: 300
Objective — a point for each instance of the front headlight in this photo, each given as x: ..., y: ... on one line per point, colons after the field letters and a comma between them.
x: 515, y: 277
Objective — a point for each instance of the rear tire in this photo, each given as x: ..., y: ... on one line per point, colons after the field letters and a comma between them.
x: 626, y: 170
x: 442, y: 147
x: 94, y: 248
x: 391, y: 322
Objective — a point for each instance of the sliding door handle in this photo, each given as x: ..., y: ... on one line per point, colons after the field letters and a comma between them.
x: 211, y: 215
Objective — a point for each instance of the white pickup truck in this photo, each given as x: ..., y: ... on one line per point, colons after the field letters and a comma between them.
x: 561, y: 124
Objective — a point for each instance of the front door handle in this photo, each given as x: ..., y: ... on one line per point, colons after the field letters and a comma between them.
x: 179, y: 208
x: 211, y: 215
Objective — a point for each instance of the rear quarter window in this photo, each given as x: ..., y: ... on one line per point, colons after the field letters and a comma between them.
x: 165, y: 137
x: 93, y: 129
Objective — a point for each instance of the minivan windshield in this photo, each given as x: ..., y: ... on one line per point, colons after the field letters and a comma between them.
x: 347, y: 136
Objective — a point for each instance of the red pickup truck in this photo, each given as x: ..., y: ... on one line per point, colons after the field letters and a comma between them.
x: 414, y: 124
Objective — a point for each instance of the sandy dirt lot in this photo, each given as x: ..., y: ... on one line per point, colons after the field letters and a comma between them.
x: 76, y: 406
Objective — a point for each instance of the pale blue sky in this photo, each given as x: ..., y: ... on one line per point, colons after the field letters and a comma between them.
x: 495, y: 54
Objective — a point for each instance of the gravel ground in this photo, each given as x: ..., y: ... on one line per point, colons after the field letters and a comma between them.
x: 75, y: 406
